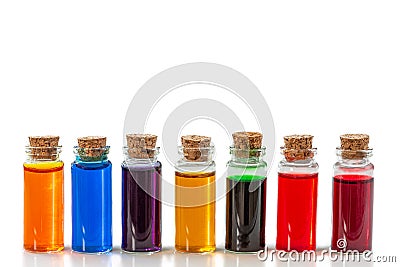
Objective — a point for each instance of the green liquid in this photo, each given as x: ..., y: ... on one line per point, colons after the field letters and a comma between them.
x: 246, y: 178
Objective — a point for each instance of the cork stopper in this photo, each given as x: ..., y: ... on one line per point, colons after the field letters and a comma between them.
x: 141, y: 146
x: 43, y: 147
x: 192, y: 147
x: 298, y: 147
x: 90, y: 146
x: 244, y: 142
x: 354, y: 145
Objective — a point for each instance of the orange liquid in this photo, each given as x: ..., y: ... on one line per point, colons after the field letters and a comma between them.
x: 44, y: 206
x: 195, y: 212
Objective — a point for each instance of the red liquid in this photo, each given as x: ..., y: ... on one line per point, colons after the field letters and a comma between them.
x: 297, y: 211
x: 353, y: 197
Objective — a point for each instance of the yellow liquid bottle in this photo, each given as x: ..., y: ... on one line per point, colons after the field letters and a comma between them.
x: 195, y: 196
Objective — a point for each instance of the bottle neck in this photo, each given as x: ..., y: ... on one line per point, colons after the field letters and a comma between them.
x: 140, y: 156
x: 196, y: 155
x: 91, y: 155
x: 247, y: 156
x: 353, y: 162
x: 42, y: 154
x: 298, y: 163
x: 353, y: 158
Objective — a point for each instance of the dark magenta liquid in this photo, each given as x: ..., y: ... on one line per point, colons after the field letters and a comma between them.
x: 352, y: 211
x: 141, y: 208
x: 297, y: 211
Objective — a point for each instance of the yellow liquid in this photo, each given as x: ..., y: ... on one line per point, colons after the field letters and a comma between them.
x: 195, y: 212
x: 44, y: 206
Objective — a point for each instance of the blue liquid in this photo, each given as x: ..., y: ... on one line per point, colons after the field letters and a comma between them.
x: 91, y: 207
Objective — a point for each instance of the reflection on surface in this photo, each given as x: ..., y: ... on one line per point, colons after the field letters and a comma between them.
x: 350, y: 263
x: 168, y: 257
x: 193, y: 259
x: 88, y: 260
x: 236, y: 260
x: 291, y: 263
x: 43, y: 259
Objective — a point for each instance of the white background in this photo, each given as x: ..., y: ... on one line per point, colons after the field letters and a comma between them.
x: 71, y: 68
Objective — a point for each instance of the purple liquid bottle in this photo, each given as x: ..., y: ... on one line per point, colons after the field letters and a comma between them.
x: 141, y: 195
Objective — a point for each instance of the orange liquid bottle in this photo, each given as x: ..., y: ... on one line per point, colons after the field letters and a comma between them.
x: 43, y: 196
x: 195, y: 212
x: 195, y: 196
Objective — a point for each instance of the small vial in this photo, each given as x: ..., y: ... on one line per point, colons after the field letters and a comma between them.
x: 353, y: 194
x: 43, y: 195
x: 297, y: 195
x: 141, y: 195
x: 195, y: 196
x: 91, y: 196
x: 246, y: 187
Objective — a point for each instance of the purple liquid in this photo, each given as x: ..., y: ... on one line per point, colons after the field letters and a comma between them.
x: 141, y: 207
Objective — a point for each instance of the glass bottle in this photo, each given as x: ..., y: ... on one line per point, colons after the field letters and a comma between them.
x: 297, y: 195
x: 195, y: 196
x: 91, y: 196
x: 246, y: 187
x: 141, y: 195
x: 43, y: 195
x: 353, y: 194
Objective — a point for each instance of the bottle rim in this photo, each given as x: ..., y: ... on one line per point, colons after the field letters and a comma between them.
x: 38, y: 153
x: 354, y: 154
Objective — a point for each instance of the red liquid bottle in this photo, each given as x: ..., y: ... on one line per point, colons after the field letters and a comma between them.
x: 297, y: 195
x: 353, y: 190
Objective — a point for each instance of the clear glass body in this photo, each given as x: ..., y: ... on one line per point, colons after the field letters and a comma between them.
x: 43, y: 202
x: 141, y: 204
x: 91, y: 202
x: 195, y: 203
x: 246, y: 187
x: 353, y: 195
x: 297, y: 204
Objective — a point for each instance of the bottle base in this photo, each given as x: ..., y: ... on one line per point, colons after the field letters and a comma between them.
x: 44, y: 249
x: 91, y: 250
x: 144, y: 251
x: 199, y: 250
x: 242, y: 251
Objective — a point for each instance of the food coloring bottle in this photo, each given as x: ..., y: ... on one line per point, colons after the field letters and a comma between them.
x: 91, y: 196
x: 297, y: 195
x: 353, y: 194
x: 246, y: 187
x: 43, y: 195
x: 141, y: 195
x: 195, y: 195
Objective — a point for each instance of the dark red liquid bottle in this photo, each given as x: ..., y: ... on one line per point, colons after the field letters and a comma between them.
x: 353, y: 194
x: 297, y: 195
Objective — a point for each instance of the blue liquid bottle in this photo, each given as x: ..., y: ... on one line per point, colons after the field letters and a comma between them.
x: 91, y: 196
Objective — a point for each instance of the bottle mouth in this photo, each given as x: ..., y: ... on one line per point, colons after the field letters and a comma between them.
x: 39, y: 153
x: 298, y: 154
x: 354, y: 154
x: 91, y: 154
x: 139, y: 153
x: 197, y: 154
x: 247, y: 153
